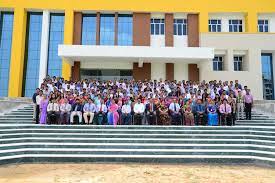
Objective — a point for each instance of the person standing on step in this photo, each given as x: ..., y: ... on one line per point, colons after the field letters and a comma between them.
x: 240, y: 105
x: 38, y: 99
x: 248, y: 102
x: 89, y: 109
x: 34, y: 102
x: 43, y: 109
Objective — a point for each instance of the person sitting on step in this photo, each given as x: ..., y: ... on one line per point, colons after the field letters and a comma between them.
x: 89, y: 109
x: 76, y: 111
x: 53, y: 112
x: 225, y: 110
x: 65, y: 110
x: 101, y: 111
x: 138, y: 112
x: 174, y: 109
x: 200, y: 113
x: 151, y: 112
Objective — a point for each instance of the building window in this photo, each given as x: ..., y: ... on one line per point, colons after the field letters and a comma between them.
x: 263, y: 26
x: 6, y: 27
x: 180, y: 27
x: 238, y: 63
x: 107, y: 29
x: 32, y: 54
x: 235, y: 26
x: 157, y: 26
x: 218, y: 63
x: 267, y: 76
x: 125, y: 30
x: 55, y: 38
x: 215, y: 25
x: 89, y: 29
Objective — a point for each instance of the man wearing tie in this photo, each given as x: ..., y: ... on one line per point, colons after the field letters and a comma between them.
x: 101, y: 111
x: 174, y: 109
x: 89, y: 110
x: 225, y: 110
x: 76, y: 111
x: 151, y: 113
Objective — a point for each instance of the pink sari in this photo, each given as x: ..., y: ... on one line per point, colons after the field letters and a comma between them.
x: 113, y: 111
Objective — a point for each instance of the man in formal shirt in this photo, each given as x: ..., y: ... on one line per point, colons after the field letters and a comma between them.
x: 225, y: 111
x: 138, y: 112
x: 53, y: 112
x: 37, y: 110
x: 76, y: 111
x: 151, y: 112
x: 65, y: 110
x: 200, y: 113
x: 34, y: 102
x: 174, y: 109
x: 89, y: 109
x: 101, y: 111
x: 248, y: 102
x: 126, y: 113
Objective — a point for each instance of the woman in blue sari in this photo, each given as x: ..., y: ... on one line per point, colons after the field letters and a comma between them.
x: 212, y: 114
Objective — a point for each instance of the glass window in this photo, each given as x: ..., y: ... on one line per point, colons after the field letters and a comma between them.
x: 180, y: 27
x: 107, y: 29
x: 157, y: 26
x: 218, y: 63
x: 215, y: 25
x: 125, y: 30
x: 263, y: 26
x: 32, y: 53
x: 238, y: 63
x: 267, y: 76
x: 6, y: 27
x: 235, y: 26
x: 88, y: 29
x: 55, y: 38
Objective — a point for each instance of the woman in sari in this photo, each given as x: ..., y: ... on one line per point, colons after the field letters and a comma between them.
x: 113, y: 115
x: 164, y: 118
x: 212, y: 114
x: 188, y: 115
x: 43, y: 110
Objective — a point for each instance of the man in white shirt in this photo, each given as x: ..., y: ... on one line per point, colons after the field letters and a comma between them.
x: 53, y: 112
x: 174, y: 109
x: 89, y: 110
x: 38, y: 99
x: 101, y: 111
x: 65, y: 110
x: 138, y: 112
x: 126, y: 113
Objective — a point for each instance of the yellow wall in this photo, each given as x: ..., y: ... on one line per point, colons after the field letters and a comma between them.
x: 203, y: 7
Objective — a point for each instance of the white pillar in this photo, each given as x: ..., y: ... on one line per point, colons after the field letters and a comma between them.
x: 44, y: 46
x: 158, y: 70
x: 229, y: 61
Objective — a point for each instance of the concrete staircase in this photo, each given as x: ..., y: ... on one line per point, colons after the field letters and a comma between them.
x: 249, y: 142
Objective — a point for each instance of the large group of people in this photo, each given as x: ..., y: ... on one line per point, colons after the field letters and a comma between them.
x: 149, y: 102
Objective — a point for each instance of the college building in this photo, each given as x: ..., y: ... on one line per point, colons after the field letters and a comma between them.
x: 175, y: 40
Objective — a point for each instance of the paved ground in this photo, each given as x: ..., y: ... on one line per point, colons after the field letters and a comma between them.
x: 136, y: 173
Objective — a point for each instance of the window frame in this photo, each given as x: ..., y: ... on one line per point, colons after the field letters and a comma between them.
x: 218, y: 63
x: 265, y: 25
x: 183, y: 25
x: 235, y: 27
x: 154, y: 24
x: 218, y: 25
x: 238, y: 59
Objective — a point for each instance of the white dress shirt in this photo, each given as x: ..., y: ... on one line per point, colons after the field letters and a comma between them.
x: 172, y: 107
x: 38, y: 99
x: 126, y: 108
x: 65, y: 107
x: 103, y: 108
x: 139, y: 108
x: 53, y: 107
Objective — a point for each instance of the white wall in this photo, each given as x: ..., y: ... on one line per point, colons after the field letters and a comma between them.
x: 157, y: 40
x: 106, y: 65
x: 180, y: 41
x: 271, y: 20
x: 158, y: 70
x: 181, y: 71
x: 225, y: 17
